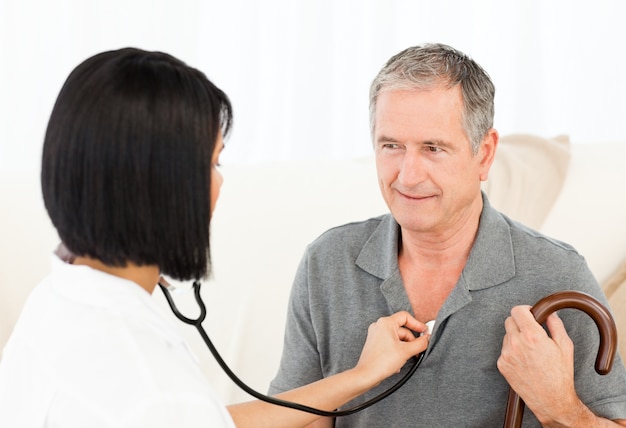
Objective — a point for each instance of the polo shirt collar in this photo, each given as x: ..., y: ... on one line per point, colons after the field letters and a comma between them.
x: 492, y: 247
x: 379, y: 255
x: 491, y: 261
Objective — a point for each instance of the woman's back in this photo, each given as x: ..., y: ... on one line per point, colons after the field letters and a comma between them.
x: 91, y: 349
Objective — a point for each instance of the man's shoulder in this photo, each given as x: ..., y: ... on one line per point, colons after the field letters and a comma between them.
x: 529, y: 236
x: 348, y: 234
x: 356, y: 229
x: 540, y: 252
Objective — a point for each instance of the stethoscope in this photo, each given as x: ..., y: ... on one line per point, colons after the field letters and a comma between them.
x: 515, y: 406
x: 197, y: 323
x: 66, y: 256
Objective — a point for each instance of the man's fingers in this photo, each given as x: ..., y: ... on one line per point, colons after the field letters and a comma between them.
x: 557, y: 330
x: 523, y: 318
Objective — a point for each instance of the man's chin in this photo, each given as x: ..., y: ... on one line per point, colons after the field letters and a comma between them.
x: 414, y: 222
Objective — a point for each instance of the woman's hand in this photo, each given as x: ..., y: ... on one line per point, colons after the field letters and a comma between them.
x: 390, y: 343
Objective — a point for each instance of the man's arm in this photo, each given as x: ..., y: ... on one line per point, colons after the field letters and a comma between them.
x: 540, y: 368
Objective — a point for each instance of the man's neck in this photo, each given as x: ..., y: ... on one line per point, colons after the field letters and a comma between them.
x: 431, y: 263
x: 449, y: 246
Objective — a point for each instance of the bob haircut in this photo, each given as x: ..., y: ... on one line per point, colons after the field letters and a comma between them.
x: 126, y: 166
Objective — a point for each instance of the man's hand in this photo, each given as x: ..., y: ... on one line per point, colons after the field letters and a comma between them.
x: 538, y: 367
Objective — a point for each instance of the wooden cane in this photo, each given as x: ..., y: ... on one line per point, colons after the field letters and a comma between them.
x: 606, y: 351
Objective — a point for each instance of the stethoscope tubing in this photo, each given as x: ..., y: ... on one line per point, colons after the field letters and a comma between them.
x: 197, y: 322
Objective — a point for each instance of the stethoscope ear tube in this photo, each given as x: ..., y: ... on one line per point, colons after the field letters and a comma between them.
x: 198, y: 324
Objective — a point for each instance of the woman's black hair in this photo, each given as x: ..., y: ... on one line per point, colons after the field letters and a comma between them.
x: 126, y: 166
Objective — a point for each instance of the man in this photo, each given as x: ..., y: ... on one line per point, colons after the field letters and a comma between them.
x: 445, y: 254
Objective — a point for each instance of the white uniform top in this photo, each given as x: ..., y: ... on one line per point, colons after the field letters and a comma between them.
x: 92, y: 350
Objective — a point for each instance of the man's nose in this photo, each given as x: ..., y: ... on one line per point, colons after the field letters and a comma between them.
x: 412, y: 170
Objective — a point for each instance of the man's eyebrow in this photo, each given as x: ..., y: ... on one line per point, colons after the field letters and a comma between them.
x: 386, y: 139
x: 435, y: 142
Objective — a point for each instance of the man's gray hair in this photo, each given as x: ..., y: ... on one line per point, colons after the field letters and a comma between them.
x: 432, y: 65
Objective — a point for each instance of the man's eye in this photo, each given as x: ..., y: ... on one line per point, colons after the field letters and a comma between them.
x: 433, y: 149
x: 390, y: 146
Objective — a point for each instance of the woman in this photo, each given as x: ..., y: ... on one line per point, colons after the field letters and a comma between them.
x: 129, y: 178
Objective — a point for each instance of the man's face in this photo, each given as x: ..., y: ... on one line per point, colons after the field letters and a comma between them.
x: 427, y: 173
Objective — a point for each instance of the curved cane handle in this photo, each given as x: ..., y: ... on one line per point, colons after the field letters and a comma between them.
x: 606, y: 327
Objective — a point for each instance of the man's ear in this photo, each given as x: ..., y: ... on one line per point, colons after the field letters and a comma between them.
x: 487, y: 152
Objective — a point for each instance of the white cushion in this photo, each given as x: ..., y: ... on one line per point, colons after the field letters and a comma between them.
x: 527, y: 176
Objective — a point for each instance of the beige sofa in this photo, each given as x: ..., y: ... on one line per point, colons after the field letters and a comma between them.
x: 269, y: 212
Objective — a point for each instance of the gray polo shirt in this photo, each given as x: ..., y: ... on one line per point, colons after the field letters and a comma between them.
x: 349, y: 277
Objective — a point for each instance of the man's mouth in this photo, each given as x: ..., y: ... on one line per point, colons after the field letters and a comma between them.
x: 419, y: 197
